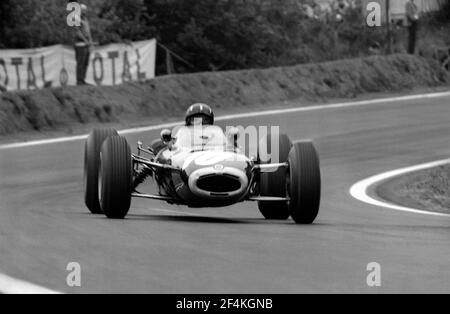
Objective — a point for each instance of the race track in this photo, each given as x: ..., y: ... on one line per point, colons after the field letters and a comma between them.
x: 44, y: 224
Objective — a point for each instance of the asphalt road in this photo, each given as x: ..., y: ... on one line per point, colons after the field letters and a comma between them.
x: 165, y: 249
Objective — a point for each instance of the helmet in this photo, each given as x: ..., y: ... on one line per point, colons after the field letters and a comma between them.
x: 201, y: 111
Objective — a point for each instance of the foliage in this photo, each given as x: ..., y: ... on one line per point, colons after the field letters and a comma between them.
x: 29, y: 24
x: 207, y: 34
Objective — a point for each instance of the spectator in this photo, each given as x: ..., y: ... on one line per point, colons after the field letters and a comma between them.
x: 412, y: 19
x: 340, y: 8
x: 83, y: 46
x: 398, y: 37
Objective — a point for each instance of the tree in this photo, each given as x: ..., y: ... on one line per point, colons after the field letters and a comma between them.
x: 28, y: 23
x: 119, y: 20
x: 228, y: 34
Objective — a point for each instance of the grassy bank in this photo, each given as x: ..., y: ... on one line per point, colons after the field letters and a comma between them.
x: 427, y: 190
x: 168, y: 96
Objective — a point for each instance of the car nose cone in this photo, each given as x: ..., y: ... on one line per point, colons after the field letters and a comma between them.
x: 212, y: 184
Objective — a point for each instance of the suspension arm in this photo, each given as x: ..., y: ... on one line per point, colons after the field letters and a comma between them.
x: 153, y: 164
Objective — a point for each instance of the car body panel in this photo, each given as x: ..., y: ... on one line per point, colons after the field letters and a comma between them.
x: 212, y: 171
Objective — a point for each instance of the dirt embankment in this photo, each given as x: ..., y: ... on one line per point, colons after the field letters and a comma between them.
x: 168, y: 96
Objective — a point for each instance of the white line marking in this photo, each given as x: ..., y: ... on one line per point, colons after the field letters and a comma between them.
x: 84, y: 136
x: 237, y: 116
x: 360, y: 189
x: 9, y: 285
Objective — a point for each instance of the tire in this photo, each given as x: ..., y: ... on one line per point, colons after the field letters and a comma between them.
x: 304, y: 185
x: 91, y: 167
x: 274, y: 183
x: 115, y: 177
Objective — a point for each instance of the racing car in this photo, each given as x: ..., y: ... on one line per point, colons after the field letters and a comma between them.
x: 202, y: 168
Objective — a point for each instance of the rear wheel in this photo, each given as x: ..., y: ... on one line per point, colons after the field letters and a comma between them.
x: 304, y: 183
x: 91, y: 167
x: 274, y: 183
x: 115, y: 177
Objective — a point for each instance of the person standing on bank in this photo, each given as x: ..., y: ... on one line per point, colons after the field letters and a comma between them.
x: 83, y: 46
x: 412, y: 17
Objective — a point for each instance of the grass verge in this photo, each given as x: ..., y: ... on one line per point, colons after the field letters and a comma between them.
x: 427, y: 190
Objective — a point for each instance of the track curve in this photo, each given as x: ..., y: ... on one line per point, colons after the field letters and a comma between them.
x: 44, y: 224
x: 364, y: 190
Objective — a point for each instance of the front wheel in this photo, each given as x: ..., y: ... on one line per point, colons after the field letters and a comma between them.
x: 115, y: 177
x: 91, y: 167
x: 304, y: 185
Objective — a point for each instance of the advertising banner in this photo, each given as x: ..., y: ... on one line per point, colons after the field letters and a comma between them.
x: 54, y: 66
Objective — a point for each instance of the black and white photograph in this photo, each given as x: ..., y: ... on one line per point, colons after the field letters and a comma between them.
x: 224, y: 155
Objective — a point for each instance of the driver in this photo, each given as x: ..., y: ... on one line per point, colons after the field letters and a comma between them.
x: 199, y: 114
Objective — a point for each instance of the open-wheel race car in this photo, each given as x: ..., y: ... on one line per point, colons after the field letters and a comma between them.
x: 211, y: 172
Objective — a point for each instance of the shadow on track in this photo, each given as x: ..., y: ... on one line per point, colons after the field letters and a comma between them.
x: 205, y: 219
x: 184, y: 218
